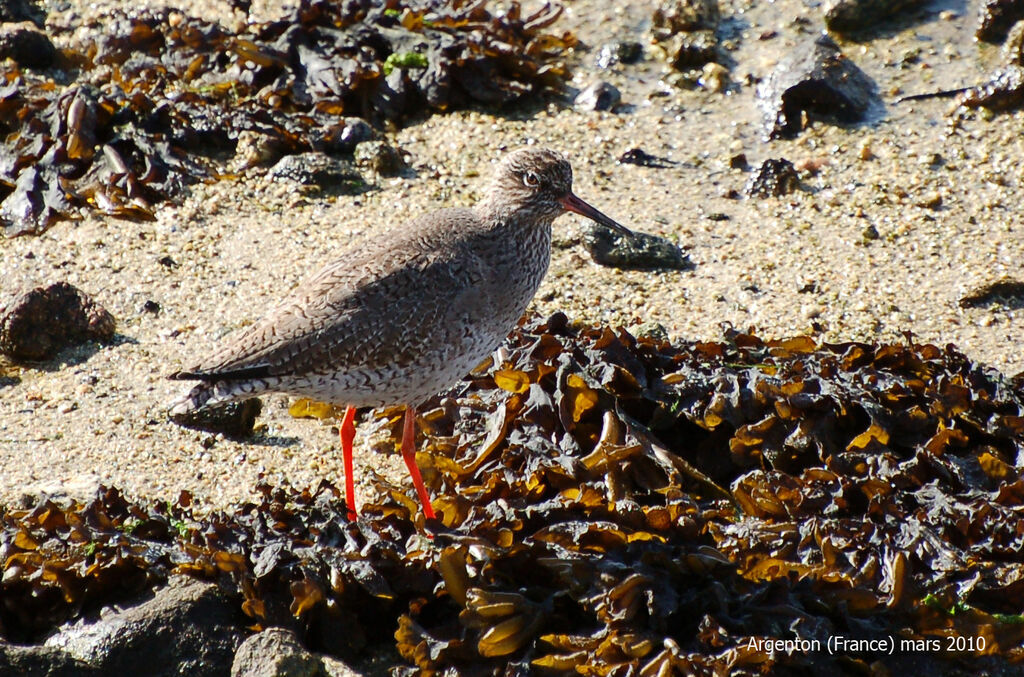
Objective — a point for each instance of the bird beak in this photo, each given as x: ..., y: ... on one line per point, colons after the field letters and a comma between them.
x: 572, y: 203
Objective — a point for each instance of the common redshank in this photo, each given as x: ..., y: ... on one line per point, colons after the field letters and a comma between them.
x: 407, y: 315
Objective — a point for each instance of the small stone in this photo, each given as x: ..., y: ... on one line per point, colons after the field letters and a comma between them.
x: 626, y: 52
x: 643, y: 251
x: 738, y: 161
x: 344, y: 137
x: 321, y: 170
x: 638, y: 156
x: 714, y: 77
x: 932, y: 200
x: 870, y: 233
x: 379, y: 157
x: 816, y: 81
x: 864, y: 152
x: 598, y: 96
x: 653, y: 330
x: 691, y: 50
x: 680, y: 16
x: 42, y: 322
x: 775, y: 178
x: 26, y: 45
x: 253, y: 149
x: 811, y: 165
x: 848, y: 16
x: 685, y: 30
x: 275, y: 652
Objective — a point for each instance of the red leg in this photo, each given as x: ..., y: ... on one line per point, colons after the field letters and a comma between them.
x: 347, y: 434
x: 409, y: 454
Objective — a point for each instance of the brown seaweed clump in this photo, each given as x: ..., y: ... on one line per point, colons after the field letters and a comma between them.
x: 617, y: 505
x: 155, y: 100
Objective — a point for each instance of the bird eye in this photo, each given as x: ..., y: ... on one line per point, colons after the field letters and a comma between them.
x: 531, y: 179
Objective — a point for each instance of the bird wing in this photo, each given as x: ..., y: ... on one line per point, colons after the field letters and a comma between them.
x: 380, y: 309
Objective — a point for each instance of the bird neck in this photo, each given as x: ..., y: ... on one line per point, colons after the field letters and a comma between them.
x: 503, y: 216
x: 528, y: 234
x: 518, y: 239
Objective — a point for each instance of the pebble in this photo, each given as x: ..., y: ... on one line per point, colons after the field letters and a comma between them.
x: 598, y: 96
x: 379, y: 157
x: 930, y: 200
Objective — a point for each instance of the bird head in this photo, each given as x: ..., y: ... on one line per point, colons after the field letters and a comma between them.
x: 535, y: 184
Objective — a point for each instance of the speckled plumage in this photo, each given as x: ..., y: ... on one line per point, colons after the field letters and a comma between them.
x: 409, y: 314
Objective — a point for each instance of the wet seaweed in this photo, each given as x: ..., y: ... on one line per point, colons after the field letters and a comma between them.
x: 617, y: 505
x: 158, y: 99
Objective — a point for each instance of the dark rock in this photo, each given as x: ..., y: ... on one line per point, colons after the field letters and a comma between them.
x: 643, y: 251
x: 22, y: 10
x: 738, y: 161
x: 626, y: 52
x: 42, y: 660
x: 234, y: 419
x: 816, y: 78
x: 679, y: 16
x: 42, y: 322
x: 186, y: 628
x: 321, y: 170
x: 379, y: 157
x: 638, y: 156
x: 1007, y: 291
x: 26, y: 45
x: 691, y: 50
x: 848, y: 16
x: 775, y: 178
x: 344, y: 137
x: 997, y: 17
x: 685, y: 30
x: 599, y: 95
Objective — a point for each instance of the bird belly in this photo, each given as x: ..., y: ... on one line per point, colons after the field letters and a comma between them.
x: 407, y: 383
